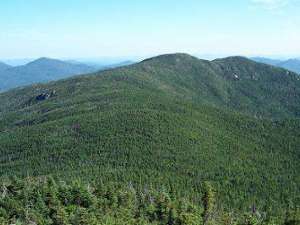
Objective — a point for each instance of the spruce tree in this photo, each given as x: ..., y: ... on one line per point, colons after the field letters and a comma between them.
x: 208, y: 200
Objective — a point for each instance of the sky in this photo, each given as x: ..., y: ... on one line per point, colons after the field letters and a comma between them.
x: 127, y: 28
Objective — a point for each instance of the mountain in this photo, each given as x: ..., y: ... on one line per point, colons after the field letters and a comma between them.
x: 40, y: 70
x: 4, y: 66
x: 290, y: 64
x: 234, y: 83
x: 273, y: 62
x: 170, y: 122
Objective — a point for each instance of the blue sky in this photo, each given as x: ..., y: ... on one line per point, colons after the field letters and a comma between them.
x: 96, y: 28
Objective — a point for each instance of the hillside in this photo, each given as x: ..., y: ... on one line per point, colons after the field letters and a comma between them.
x: 40, y: 70
x: 172, y: 121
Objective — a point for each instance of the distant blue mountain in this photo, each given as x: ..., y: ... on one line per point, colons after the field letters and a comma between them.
x: 273, y: 62
x: 40, y: 70
x: 291, y: 64
x: 4, y: 66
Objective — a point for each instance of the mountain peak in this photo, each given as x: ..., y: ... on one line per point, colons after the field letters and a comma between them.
x: 44, y: 60
x: 292, y: 65
x: 234, y: 59
x: 175, y: 57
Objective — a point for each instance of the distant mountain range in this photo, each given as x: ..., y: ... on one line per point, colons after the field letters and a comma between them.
x: 47, y: 69
x: 40, y: 70
x: 290, y: 64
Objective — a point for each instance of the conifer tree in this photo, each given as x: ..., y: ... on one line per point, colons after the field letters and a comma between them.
x: 208, y: 200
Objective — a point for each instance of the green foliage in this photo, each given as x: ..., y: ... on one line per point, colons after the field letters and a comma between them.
x: 42, y: 201
x: 109, y: 205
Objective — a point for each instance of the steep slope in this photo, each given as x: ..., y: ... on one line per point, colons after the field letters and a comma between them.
x: 40, y: 70
x: 161, y: 122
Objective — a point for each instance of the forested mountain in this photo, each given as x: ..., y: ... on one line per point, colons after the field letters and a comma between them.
x: 290, y: 64
x: 40, y: 70
x: 170, y: 122
x: 234, y: 83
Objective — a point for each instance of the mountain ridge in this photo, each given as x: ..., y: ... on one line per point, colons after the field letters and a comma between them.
x: 226, y: 82
x: 231, y: 81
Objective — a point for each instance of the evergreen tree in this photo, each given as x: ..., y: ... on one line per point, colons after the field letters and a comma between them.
x: 208, y: 200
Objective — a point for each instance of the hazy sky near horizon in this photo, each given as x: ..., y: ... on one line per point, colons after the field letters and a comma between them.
x: 95, y: 28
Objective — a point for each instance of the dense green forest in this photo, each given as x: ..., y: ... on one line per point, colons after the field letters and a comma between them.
x: 171, y: 122
x: 47, y: 201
